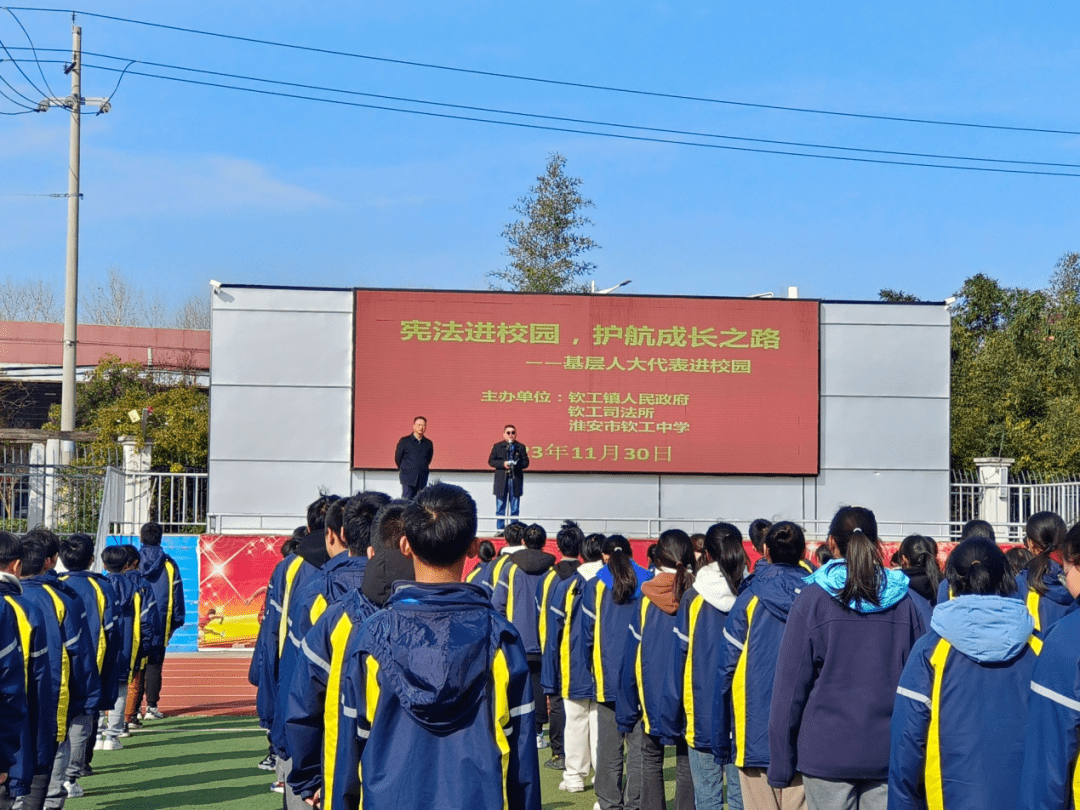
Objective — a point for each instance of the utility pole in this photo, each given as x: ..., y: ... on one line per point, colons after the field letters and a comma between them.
x: 74, y: 103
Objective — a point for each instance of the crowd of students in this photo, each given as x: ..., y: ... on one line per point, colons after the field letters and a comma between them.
x: 825, y: 680
x: 78, y: 652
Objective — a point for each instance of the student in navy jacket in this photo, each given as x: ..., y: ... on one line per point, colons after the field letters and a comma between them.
x: 608, y: 612
x: 163, y: 574
x: 338, y: 608
x: 348, y: 534
x: 99, y: 600
x: 37, y: 732
x: 979, y: 652
x: 1050, y: 778
x: 437, y: 684
x: 754, y: 629
x: 648, y: 666
x: 698, y: 655
x: 568, y: 540
x: 514, y: 596
x: 848, y: 637
x: 1039, y: 584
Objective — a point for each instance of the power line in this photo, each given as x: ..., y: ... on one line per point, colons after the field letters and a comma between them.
x: 27, y: 34
x: 548, y: 128
x: 561, y: 83
x: 587, y: 122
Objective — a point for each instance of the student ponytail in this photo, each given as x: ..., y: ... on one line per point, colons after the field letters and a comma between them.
x: 624, y: 582
x: 854, y: 531
x: 675, y: 551
x: 1045, y: 537
x: 921, y: 552
x: 724, y: 546
x: 978, y: 566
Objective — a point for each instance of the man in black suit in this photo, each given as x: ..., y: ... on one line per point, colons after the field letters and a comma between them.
x: 413, y: 459
x: 509, y: 458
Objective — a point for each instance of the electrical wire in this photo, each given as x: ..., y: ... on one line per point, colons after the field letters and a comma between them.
x: 27, y: 34
x: 583, y: 121
x: 561, y: 83
x: 37, y: 89
x: 619, y: 136
x: 16, y: 102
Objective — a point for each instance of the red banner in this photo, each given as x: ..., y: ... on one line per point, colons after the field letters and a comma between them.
x: 592, y: 383
x: 233, y: 574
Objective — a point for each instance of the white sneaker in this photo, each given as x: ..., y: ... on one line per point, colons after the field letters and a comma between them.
x: 111, y: 745
x: 152, y: 713
x: 99, y: 744
x: 74, y: 790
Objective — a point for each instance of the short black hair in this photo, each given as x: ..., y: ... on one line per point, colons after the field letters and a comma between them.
x: 38, y: 546
x: 977, y: 528
x: 569, y: 539
x: 288, y: 546
x: 592, y: 547
x: 514, y: 532
x: 10, y: 548
x: 535, y: 536
x: 389, y: 524
x: 486, y: 551
x: 316, y: 511
x: 440, y: 524
x: 132, y: 553
x: 77, y: 551
x: 149, y: 534
x: 114, y: 558
x: 359, y: 517
x: 757, y: 531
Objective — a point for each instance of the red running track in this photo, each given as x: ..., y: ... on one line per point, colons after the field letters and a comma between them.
x: 209, y: 683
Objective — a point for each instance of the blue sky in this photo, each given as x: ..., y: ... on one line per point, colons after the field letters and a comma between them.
x: 185, y: 183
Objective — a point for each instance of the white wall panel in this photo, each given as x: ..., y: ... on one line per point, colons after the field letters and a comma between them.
x: 884, y: 434
x: 262, y: 488
x: 885, y: 361
x: 283, y: 299
x: 256, y: 423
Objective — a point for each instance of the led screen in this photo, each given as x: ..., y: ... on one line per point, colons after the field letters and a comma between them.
x: 620, y: 384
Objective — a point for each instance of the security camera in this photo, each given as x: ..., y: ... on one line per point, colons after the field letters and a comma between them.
x: 215, y: 286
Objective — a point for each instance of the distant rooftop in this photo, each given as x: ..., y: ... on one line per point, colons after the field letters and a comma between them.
x: 25, y: 344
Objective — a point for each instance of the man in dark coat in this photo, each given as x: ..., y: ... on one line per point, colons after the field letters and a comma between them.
x: 509, y: 458
x: 413, y: 459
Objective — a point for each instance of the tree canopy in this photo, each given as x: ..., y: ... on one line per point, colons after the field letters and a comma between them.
x: 1016, y: 372
x: 179, y: 415
x: 546, y: 246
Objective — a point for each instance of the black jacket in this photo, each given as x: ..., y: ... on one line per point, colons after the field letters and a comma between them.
x: 500, y: 454
x: 413, y: 460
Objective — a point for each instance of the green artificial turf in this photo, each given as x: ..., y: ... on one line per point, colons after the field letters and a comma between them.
x: 210, y: 762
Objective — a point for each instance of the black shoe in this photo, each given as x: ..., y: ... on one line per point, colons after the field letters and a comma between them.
x: 556, y: 764
x: 269, y: 763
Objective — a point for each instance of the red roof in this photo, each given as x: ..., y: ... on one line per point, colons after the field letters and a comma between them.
x: 41, y: 344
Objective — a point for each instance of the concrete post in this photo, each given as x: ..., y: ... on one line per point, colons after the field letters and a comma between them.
x: 35, y: 508
x: 137, y: 489
x: 994, y: 504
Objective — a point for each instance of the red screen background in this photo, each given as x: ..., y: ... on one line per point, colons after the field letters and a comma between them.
x: 592, y: 383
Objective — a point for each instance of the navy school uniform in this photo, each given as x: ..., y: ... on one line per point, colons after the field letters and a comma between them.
x: 288, y: 575
x: 961, y: 709
x: 163, y: 574
x: 515, y: 593
x: 437, y: 677
x: 36, y: 746
x: 566, y: 667
x: 311, y: 718
x: 100, y: 602
x: 698, y: 653
x: 606, y: 634
x: 752, y: 636
x: 75, y: 683
x: 338, y: 576
x: 646, y: 690
x: 1048, y: 608
x: 1050, y: 778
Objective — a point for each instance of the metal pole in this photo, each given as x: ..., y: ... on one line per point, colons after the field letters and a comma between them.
x: 71, y: 279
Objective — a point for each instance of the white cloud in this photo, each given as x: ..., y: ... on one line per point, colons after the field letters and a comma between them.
x: 192, y: 185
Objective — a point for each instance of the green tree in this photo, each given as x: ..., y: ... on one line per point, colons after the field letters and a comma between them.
x: 896, y: 296
x: 545, y: 246
x: 1016, y: 373
x: 179, y: 412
